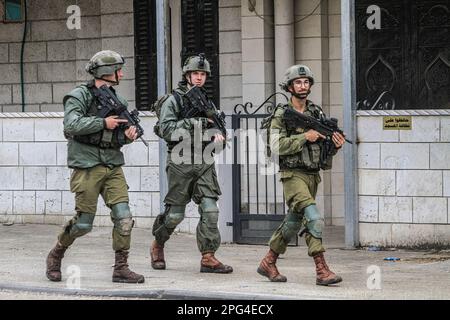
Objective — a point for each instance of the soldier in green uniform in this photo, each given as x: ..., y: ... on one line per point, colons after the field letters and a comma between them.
x: 188, y: 180
x: 300, y: 161
x: 94, y: 155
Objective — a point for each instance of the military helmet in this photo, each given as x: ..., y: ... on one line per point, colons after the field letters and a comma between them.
x: 104, y: 62
x: 294, y: 72
x: 196, y: 63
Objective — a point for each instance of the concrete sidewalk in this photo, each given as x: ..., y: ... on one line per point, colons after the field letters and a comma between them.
x: 418, y: 275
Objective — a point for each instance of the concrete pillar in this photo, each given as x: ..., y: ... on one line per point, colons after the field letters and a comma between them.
x: 284, y: 40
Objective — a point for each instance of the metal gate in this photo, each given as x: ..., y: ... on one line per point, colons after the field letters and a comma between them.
x: 258, y: 201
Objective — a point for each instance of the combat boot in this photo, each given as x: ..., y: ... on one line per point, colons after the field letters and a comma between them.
x: 157, y: 256
x: 210, y: 264
x: 268, y: 268
x: 121, y: 271
x: 325, y: 276
x: 54, y: 262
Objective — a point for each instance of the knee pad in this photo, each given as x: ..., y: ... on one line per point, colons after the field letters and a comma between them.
x: 121, y: 216
x: 83, y: 225
x: 209, y: 212
x: 314, y: 222
x: 174, y: 216
x: 291, y: 226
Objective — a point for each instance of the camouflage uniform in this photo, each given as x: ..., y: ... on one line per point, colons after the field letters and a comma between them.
x: 188, y: 181
x: 97, y: 170
x: 300, y: 163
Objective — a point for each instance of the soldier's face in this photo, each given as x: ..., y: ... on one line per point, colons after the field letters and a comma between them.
x: 301, y: 85
x: 198, y: 78
x: 112, y: 77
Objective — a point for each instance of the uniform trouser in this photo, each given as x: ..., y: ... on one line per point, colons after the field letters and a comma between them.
x: 199, y: 183
x: 300, y: 190
x: 88, y: 184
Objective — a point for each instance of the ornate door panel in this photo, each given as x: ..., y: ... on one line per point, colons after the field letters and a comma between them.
x: 406, y: 63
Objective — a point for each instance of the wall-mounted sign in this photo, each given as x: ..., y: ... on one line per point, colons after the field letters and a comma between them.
x: 397, y: 123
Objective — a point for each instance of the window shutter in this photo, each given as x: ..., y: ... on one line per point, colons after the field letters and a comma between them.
x: 200, y: 32
x: 145, y: 53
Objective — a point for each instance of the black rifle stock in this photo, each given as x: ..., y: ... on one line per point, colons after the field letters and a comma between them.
x: 326, y: 127
x: 112, y: 106
x: 202, y: 106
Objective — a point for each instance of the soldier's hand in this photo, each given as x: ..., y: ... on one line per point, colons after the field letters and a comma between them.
x: 338, y: 139
x: 112, y: 122
x: 312, y: 135
x: 131, y: 133
x: 219, y: 138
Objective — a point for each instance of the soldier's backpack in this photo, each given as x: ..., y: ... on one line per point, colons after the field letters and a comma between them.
x: 156, y: 108
x: 265, y: 133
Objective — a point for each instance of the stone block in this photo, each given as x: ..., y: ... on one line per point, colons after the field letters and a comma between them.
x: 335, y: 93
x: 405, y: 156
x: 369, y: 155
x: 445, y: 129
x: 335, y: 70
x: 308, y: 48
x: 6, y: 202
x: 147, y: 123
x: 53, y: 30
x: 61, y: 153
x: 230, y: 19
x: 337, y: 183
x: 128, y: 74
x: 48, y: 9
x: 144, y: 222
x: 34, y: 93
x: 9, y: 154
x: 229, y: 3
x: 90, y: 28
x: 230, y: 64
x: 376, y: 182
x: 52, y: 108
x: 81, y: 75
x: 231, y: 86
x: 419, y: 183
x: 395, y: 209
x: 335, y: 49
x: 89, y: 7
x: 334, y: 7
x: 127, y: 89
x: 57, y: 71
x: 133, y: 177
x: 11, y: 33
x: 4, y: 57
x: 375, y: 234
x: 48, y: 202
x: 5, y: 95
x: 61, y: 50
x: 136, y: 154
x: 58, y: 178
x: 252, y: 27
x: 230, y: 42
x: 68, y: 203
x: 193, y: 223
x: 153, y: 154
x: 11, y: 73
x: 424, y: 129
x: 49, y: 129
x: 37, y: 154
x: 86, y: 48
x: 122, y: 45
x: 112, y: 6
x: 60, y: 90
x: 255, y: 93
x: 54, y: 219
x: 114, y: 25
x: 150, y: 179
x: 376, y: 132
x: 24, y: 202
x: 430, y: 210
x: 35, y: 178
x: 19, y: 130
x: 156, y: 205
x: 32, y: 219
x: 310, y: 27
x: 140, y: 204
x: 368, y: 209
x: 442, y: 234
x: 412, y: 235
x: 257, y: 72
x: 446, y: 183
x: 33, y: 52
x: 338, y: 209
x: 440, y: 156
x: 334, y: 25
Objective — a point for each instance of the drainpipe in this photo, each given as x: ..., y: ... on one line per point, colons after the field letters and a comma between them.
x: 284, y: 40
x: 161, y: 53
x: 22, y: 49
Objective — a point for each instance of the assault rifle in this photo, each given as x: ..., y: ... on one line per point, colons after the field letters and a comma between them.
x: 110, y: 106
x: 326, y: 126
x: 201, y: 106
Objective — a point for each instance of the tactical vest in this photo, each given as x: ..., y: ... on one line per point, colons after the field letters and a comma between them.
x: 309, y: 158
x: 104, y: 139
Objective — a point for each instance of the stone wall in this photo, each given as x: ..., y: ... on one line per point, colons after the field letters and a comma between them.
x: 404, y: 181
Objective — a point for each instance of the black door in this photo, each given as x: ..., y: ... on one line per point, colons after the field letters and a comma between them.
x: 406, y: 63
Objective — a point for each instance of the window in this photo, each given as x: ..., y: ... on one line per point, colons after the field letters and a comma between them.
x: 13, y: 10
